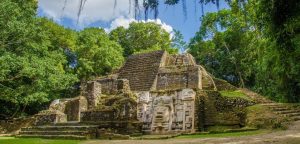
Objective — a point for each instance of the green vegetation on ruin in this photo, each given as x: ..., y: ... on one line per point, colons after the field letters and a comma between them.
x: 234, y: 94
x: 262, y: 117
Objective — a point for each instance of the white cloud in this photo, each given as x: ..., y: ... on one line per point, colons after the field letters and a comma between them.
x: 93, y: 11
x: 118, y: 22
x: 124, y: 22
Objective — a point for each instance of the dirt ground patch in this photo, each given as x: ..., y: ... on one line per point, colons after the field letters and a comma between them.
x: 289, y: 136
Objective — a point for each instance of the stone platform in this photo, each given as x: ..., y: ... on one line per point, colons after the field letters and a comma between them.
x: 61, y: 131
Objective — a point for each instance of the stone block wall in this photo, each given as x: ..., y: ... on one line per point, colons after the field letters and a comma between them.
x: 97, y: 115
x: 169, y: 60
x: 112, y: 108
x: 13, y: 126
x: 74, y: 107
x: 178, y: 77
x: 93, y: 92
x: 214, y: 110
x: 63, y: 110
x: 113, y: 86
x: 49, y: 117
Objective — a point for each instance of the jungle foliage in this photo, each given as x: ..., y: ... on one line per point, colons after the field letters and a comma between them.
x: 32, y: 68
x: 253, y: 44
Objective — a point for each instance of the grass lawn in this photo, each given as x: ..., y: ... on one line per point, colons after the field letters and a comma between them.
x: 233, y: 134
x: 12, y: 140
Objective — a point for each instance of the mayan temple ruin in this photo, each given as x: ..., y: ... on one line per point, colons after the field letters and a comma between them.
x: 153, y: 93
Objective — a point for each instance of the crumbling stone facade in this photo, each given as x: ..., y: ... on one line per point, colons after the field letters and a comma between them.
x: 153, y: 93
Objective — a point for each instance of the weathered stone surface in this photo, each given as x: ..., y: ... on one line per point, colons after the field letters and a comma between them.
x: 93, y: 93
x: 13, y: 126
x: 100, y: 115
x: 74, y: 107
x: 213, y: 109
x: 155, y: 93
x: 176, y: 77
x: 114, y: 86
x: 62, y: 110
x: 50, y: 116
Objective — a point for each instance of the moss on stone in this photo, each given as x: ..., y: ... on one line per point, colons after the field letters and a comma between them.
x: 235, y: 94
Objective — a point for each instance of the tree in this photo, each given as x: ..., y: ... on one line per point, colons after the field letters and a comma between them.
x: 263, y: 40
x: 31, y: 72
x: 225, y: 44
x: 61, y: 38
x: 178, y: 42
x: 97, y: 55
x: 142, y: 37
x: 279, y: 20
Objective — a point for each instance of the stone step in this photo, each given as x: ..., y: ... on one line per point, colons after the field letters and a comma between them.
x: 69, y: 131
x: 274, y: 105
x: 71, y: 124
x: 288, y: 111
x: 280, y: 108
x: 292, y: 114
x: 80, y: 133
x: 59, y: 128
x: 296, y: 118
x: 86, y: 127
x: 73, y: 137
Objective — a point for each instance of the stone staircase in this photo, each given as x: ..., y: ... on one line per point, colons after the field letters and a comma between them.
x: 141, y: 70
x: 207, y: 83
x: 290, y: 111
x: 60, y: 131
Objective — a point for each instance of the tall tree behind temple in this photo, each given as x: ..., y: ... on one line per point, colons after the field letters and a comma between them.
x: 97, y: 54
x: 142, y: 37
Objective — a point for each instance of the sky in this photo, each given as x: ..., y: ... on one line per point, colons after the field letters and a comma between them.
x: 101, y: 13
